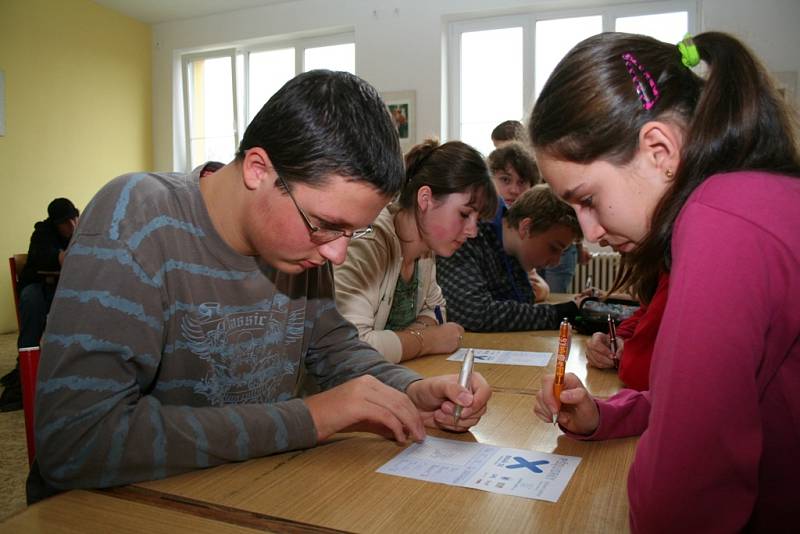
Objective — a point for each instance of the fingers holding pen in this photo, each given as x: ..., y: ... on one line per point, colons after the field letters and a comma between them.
x: 575, y: 408
x: 598, y: 351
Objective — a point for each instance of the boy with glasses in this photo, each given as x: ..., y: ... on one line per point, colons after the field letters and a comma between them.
x: 190, y: 309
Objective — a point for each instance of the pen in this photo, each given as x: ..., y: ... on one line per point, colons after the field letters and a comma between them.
x: 437, y: 311
x: 564, y: 340
x: 464, y: 379
x: 612, y: 338
x: 588, y: 285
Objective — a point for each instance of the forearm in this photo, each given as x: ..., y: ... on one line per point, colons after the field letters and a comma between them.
x: 147, y: 440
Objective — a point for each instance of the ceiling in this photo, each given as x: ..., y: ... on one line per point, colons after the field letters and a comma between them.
x: 155, y: 11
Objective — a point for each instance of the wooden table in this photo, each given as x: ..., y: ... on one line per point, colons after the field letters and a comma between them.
x: 519, y: 379
x: 334, y: 487
x: 90, y: 512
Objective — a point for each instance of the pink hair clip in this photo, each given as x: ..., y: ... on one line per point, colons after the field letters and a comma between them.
x: 648, y: 92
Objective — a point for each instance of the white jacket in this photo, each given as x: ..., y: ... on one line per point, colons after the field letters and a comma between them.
x: 366, y: 281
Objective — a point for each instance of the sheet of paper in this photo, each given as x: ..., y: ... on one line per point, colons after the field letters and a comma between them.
x: 505, y: 357
x: 518, y: 472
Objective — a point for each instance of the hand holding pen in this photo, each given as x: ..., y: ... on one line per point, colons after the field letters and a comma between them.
x: 564, y: 342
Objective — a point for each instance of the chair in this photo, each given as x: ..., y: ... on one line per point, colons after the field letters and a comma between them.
x: 28, y: 367
x: 16, y: 263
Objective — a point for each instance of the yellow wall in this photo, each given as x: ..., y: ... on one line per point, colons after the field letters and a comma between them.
x: 78, y: 112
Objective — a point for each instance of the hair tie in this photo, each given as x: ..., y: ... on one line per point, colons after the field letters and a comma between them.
x: 690, y: 57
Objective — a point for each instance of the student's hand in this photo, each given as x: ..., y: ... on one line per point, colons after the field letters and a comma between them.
x: 540, y: 288
x: 578, y: 413
x: 598, y: 351
x: 436, y: 399
x: 443, y: 339
x: 365, y: 404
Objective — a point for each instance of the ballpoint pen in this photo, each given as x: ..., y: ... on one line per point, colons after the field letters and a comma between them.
x: 588, y: 285
x: 564, y: 341
x: 612, y: 338
x: 464, y: 379
x: 437, y: 311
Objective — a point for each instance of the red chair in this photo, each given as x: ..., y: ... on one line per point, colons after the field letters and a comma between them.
x: 16, y: 263
x: 28, y: 366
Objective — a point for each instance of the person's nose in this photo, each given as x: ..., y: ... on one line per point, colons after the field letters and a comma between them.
x: 471, y: 229
x: 335, y: 251
x: 554, y: 259
x: 592, y: 230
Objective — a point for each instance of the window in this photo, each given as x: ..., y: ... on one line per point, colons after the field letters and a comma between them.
x: 223, y: 90
x: 498, y: 66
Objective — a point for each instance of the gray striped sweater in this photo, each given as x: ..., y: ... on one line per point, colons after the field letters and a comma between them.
x: 166, y: 351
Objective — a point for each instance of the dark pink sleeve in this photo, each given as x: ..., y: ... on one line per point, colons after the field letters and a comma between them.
x: 701, y: 450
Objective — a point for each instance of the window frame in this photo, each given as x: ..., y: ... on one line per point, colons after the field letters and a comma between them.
x: 240, y: 52
x: 186, y: 61
x: 527, y: 20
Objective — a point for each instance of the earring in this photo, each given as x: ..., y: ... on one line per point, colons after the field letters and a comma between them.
x: 669, y: 173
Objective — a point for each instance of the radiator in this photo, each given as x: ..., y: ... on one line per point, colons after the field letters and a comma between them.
x: 602, y: 268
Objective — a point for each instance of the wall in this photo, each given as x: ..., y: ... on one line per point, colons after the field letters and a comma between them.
x: 78, y: 111
x: 399, y: 43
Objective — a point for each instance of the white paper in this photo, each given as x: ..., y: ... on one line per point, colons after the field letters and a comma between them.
x: 505, y: 357
x: 518, y: 472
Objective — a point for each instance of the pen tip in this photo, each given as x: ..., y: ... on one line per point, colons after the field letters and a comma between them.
x: 555, y: 418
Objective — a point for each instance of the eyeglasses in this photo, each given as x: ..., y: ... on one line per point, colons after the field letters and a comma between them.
x: 320, y: 236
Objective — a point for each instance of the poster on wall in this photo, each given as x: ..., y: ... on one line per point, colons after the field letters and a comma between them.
x: 402, y: 108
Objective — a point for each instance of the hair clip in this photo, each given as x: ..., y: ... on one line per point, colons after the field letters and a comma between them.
x: 690, y: 57
x: 648, y: 92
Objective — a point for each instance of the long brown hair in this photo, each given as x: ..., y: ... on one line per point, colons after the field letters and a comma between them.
x: 734, y: 119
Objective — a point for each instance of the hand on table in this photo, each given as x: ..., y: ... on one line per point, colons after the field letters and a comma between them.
x: 540, y: 288
x: 443, y: 339
x: 366, y: 404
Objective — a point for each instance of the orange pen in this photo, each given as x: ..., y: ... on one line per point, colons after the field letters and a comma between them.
x: 564, y: 341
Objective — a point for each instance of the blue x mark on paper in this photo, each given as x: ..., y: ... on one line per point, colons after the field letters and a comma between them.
x: 532, y: 465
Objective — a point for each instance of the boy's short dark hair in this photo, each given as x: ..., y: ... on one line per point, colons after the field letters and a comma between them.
x: 519, y: 158
x: 509, y: 131
x: 322, y: 123
x: 544, y: 209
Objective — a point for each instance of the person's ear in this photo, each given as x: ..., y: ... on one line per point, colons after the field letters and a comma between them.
x: 424, y: 198
x: 660, y: 145
x: 256, y: 168
x: 524, y: 228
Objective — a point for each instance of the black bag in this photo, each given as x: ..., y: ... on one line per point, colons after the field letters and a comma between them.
x: 593, y: 314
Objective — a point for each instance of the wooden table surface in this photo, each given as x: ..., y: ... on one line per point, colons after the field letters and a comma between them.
x: 90, y: 512
x: 520, y: 379
x: 335, y: 485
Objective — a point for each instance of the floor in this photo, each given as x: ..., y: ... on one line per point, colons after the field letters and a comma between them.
x: 13, y: 454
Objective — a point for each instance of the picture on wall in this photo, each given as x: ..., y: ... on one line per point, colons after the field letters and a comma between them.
x: 402, y: 108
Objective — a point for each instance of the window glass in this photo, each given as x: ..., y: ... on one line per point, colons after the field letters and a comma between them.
x: 491, y: 83
x: 211, y: 121
x: 554, y: 38
x: 667, y: 27
x: 268, y: 71
x: 334, y: 57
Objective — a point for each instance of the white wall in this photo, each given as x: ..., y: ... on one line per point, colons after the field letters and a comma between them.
x: 399, y: 43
